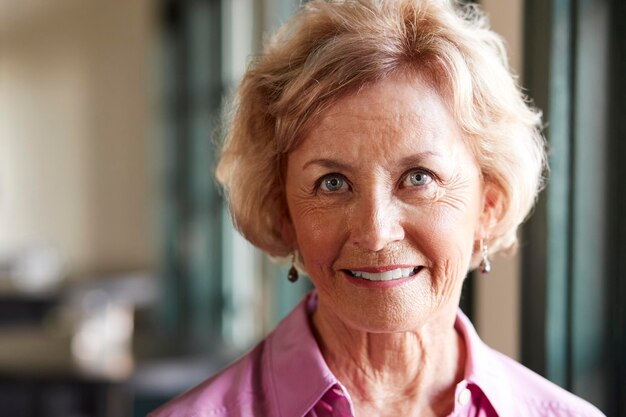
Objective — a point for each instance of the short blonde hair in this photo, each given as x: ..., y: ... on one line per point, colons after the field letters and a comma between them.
x: 332, y: 48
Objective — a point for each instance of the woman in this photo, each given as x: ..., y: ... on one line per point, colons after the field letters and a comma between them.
x: 385, y: 147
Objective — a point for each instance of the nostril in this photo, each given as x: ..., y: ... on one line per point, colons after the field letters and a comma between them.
x: 376, y: 223
x: 374, y: 240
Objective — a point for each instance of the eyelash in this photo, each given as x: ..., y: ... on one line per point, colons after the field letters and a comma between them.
x: 422, y: 171
x: 320, y: 181
x: 405, y: 177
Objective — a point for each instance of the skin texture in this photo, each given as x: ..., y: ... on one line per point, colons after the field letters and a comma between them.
x: 353, y: 206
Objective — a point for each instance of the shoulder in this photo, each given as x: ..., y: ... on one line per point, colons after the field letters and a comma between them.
x: 267, y: 381
x: 235, y: 391
x: 539, y: 397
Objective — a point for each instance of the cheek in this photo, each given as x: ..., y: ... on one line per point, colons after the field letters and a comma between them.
x: 445, y: 236
x: 319, y: 236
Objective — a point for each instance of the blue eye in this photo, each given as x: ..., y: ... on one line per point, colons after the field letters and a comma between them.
x: 332, y: 183
x: 418, y: 178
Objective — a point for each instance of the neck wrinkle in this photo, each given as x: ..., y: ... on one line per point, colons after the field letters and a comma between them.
x: 404, y: 373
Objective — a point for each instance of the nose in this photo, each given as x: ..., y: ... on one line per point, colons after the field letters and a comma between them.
x: 376, y: 222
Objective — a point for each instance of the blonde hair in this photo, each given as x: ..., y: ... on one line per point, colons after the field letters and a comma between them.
x: 330, y: 49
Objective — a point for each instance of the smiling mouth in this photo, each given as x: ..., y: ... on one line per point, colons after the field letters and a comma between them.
x: 398, y: 273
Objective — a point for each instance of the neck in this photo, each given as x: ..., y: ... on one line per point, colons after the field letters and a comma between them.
x: 406, y: 373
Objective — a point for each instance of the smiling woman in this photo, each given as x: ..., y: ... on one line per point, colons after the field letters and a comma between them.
x: 385, y: 182
x: 386, y: 148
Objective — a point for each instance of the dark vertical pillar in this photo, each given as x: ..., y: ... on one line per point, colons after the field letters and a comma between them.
x: 192, y: 80
x: 548, y: 75
x: 175, y: 137
x: 204, y: 31
x: 616, y: 220
x: 565, y: 307
x: 589, y: 184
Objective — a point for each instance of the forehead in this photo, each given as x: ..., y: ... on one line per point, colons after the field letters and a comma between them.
x: 400, y: 113
x: 399, y: 96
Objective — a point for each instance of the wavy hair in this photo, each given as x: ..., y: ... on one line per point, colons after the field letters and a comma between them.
x: 330, y: 49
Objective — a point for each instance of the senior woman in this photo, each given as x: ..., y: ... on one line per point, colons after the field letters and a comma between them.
x: 386, y: 149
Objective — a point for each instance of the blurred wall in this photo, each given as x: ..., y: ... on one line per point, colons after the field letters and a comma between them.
x: 498, y: 294
x: 75, y: 165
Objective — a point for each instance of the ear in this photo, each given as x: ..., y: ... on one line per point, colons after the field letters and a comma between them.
x: 492, y: 210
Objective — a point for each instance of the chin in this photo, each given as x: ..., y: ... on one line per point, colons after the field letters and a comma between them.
x: 389, y: 314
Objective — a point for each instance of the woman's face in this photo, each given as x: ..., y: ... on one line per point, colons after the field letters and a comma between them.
x: 385, y: 201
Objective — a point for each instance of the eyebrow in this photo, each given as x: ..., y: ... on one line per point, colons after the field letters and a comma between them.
x: 407, y: 161
x: 418, y: 158
x: 328, y: 163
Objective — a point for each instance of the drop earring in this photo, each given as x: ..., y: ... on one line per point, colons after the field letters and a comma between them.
x: 292, y: 275
x: 485, y: 264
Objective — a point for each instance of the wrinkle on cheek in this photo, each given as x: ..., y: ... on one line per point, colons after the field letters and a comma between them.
x: 457, y: 193
x: 304, y: 205
x: 319, y: 230
x: 306, y: 209
x: 324, y: 285
x: 447, y: 275
x: 427, y: 294
x: 435, y: 195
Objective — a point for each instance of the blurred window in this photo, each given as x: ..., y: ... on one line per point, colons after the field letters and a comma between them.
x: 219, y: 291
x: 574, y: 321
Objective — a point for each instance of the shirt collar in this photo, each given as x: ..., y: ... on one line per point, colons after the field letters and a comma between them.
x: 483, y: 369
x: 293, y: 353
x: 299, y: 376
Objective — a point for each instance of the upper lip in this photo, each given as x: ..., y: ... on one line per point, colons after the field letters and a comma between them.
x: 379, y: 269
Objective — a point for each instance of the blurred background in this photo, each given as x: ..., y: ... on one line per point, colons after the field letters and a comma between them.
x: 122, y: 281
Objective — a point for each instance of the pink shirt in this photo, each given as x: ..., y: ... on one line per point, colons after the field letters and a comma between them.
x: 285, y: 376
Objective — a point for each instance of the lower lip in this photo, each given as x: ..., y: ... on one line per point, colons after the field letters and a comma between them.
x: 366, y: 283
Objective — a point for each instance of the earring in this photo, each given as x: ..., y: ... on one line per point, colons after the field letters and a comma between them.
x: 292, y: 275
x: 485, y: 264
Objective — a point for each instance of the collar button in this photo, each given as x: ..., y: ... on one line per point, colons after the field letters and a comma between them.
x: 464, y: 397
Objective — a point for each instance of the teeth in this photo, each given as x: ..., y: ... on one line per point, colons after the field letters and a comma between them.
x: 384, y: 276
x: 407, y: 271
